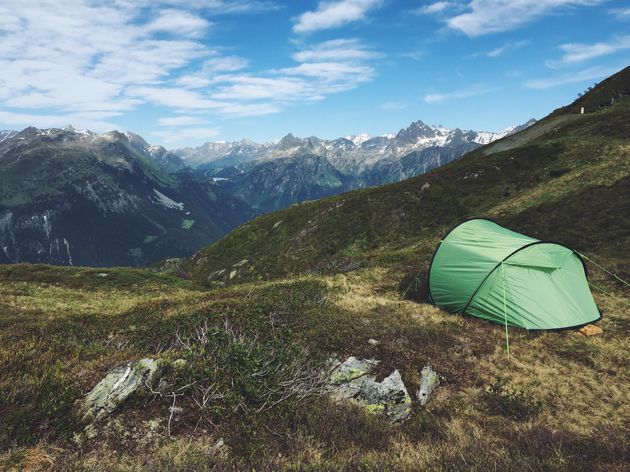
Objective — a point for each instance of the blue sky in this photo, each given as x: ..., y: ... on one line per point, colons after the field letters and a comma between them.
x: 185, y: 72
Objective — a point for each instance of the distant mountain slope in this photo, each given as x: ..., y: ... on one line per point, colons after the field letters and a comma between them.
x: 264, y: 176
x: 281, y: 182
x: 6, y: 133
x: 76, y: 198
x: 568, y: 182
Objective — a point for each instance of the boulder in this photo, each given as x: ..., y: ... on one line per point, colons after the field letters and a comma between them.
x: 428, y: 381
x: 118, y: 385
x: 352, y: 380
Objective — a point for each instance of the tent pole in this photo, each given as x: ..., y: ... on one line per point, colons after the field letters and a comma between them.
x: 507, y: 337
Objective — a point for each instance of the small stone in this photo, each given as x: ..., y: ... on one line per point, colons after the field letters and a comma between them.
x: 118, y: 385
x: 241, y: 263
x: 102, y: 274
x: 276, y: 224
x: 428, y: 381
x: 233, y: 274
x: 372, y: 342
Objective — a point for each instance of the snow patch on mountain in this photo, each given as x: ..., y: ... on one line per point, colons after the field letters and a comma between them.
x: 358, y: 139
x: 166, y: 201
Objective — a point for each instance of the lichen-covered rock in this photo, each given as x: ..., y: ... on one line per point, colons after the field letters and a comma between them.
x: 351, y: 380
x: 428, y: 381
x: 118, y: 385
x: 216, y: 274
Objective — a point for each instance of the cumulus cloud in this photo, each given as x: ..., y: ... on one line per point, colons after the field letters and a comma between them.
x: 178, y: 22
x: 491, y: 16
x: 333, y: 14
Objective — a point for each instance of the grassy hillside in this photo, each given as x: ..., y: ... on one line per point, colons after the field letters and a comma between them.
x: 247, y: 338
x: 569, y: 182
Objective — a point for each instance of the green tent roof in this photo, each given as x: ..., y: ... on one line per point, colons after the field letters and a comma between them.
x: 485, y: 270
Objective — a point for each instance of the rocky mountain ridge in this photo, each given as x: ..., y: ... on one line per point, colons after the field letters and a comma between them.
x: 73, y: 197
x: 349, y: 155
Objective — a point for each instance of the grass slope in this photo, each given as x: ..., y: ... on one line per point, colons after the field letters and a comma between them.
x: 330, y: 279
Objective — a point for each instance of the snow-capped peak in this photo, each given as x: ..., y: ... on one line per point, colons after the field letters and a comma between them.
x: 358, y: 139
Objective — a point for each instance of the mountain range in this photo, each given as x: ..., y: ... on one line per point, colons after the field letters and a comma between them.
x: 272, y: 176
x: 75, y: 197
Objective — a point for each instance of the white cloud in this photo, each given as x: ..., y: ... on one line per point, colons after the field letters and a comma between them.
x: 433, y: 8
x: 335, y: 50
x: 492, y: 16
x: 332, y: 14
x: 456, y: 94
x: 323, y: 69
x: 80, y: 56
x: 591, y: 73
x: 509, y: 46
x: 216, y: 7
x: 178, y: 22
x: 174, y: 98
x: 621, y: 13
x: 86, y: 63
x: 246, y: 87
x: 577, y: 52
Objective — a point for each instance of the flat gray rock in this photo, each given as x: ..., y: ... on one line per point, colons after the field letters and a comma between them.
x: 352, y: 380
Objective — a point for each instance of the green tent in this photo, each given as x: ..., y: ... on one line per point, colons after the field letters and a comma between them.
x: 485, y: 270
